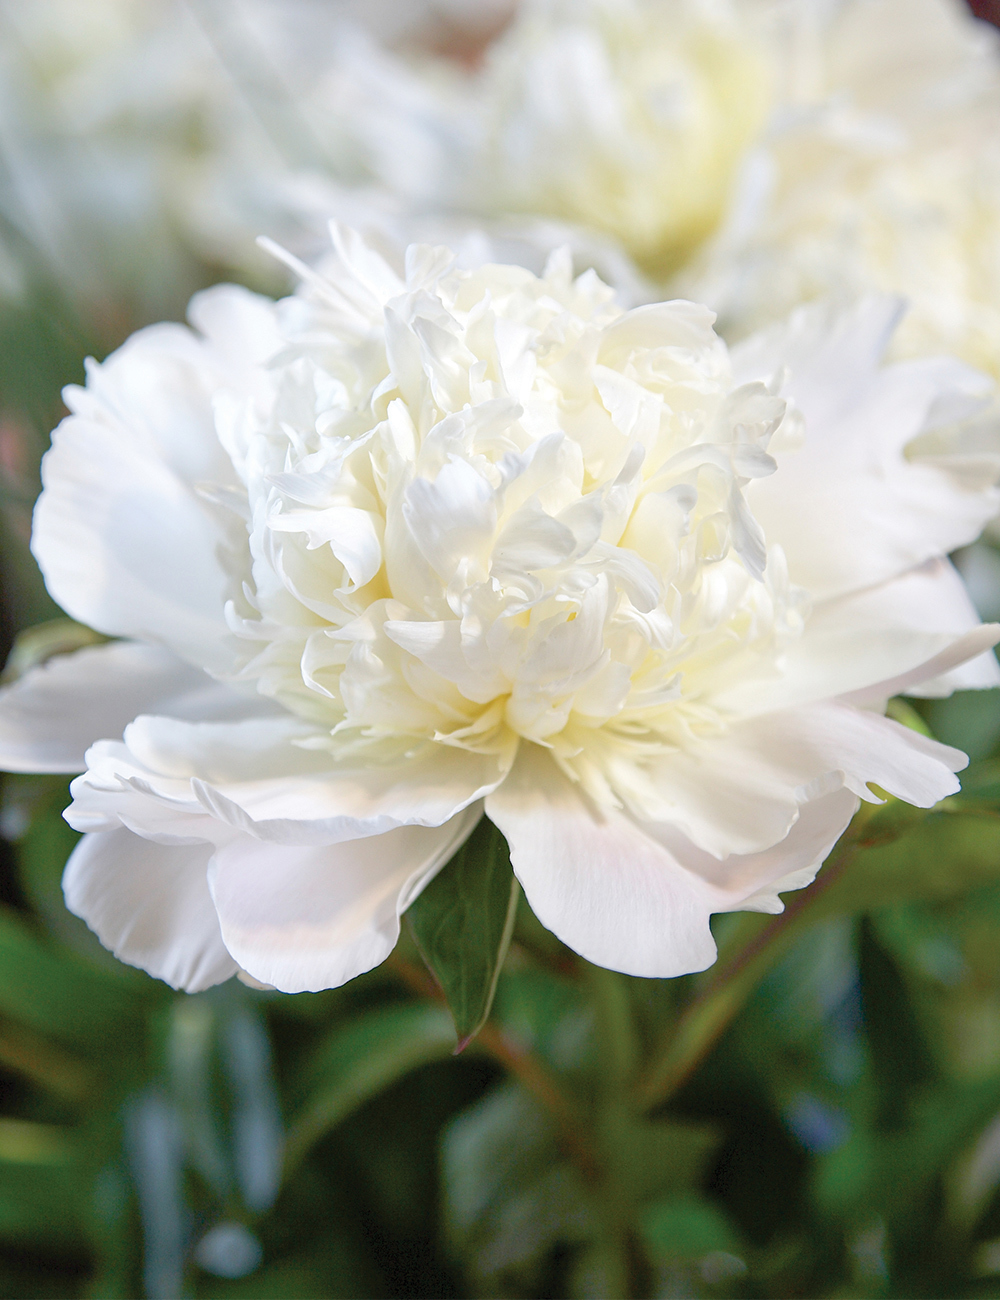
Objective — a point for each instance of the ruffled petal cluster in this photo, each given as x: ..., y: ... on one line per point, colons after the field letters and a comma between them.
x: 400, y: 551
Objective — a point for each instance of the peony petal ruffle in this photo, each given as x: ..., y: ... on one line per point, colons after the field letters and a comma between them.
x: 637, y: 897
x: 308, y: 918
x: 849, y: 507
x: 741, y: 792
x: 51, y: 716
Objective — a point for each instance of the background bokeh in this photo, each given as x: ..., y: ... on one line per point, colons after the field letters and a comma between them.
x: 835, y: 1133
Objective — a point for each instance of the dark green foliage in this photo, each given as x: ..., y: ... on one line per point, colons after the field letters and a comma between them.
x: 360, y: 1059
x: 463, y: 922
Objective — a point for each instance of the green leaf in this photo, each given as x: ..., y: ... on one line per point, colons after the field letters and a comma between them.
x: 509, y: 1196
x: 37, y: 645
x: 656, y: 1157
x: 942, y: 856
x: 361, y: 1059
x: 686, y: 1227
x: 462, y: 923
x: 55, y: 994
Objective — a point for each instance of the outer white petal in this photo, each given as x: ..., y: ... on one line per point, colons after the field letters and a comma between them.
x: 339, y: 805
x: 938, y: 676
x: 740, y: 792
x: 150, y: 904
x: 848, y: 507
x: 156, y: 798
x: 251, y: 776
x: 314, y: 801
x: 127, y: 543
x: 925, y: 608
x: 918, y: 633
x: 637, y: 898
x: 51, y: 716
x: 979, y: 674
x: 752, y: 882
x: 312, y: 918
x: 109, y: 799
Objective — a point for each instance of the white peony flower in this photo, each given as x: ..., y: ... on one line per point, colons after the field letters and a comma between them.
x: 625, y: 117
x: 753, y: 155
x: 881, y: 171
x: 387, y: 554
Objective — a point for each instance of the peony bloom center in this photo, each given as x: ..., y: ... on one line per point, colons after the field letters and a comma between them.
x: 513, y: 512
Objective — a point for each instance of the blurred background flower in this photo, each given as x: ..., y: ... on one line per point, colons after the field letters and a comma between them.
x: 880, y: 169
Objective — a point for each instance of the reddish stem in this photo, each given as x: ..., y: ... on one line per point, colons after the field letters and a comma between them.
x: 517, y: 1061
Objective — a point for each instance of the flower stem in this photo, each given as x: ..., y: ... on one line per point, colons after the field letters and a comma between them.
x: 522, y: 1064
x: 618, y: 1048
x: 615, y: 1026
x: 24, y: 1052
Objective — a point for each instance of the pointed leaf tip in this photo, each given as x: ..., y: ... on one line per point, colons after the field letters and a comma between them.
x: 462, y: 923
